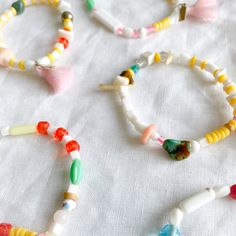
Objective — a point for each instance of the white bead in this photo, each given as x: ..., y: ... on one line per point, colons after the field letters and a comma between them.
x: 73, y: 189
x: 128, y: 32
x: 44, y: 61
x: 5, y: 131
x: 198, y: 200
x: 211, y: 67
x: 195, y: 146
x: 149, y: 57
x: 222, y: 191
x: 69, y: 205
x: 29, y: 65
x: 107, y: 20
x: 60, y: 46
x: 203, y: 142
x: 66, y: 139
x: 55, y: 228
x: 61, y: 217
x: 176, y: 216
x: 119, y: 80
x: 63, y: 6
x: 56, y: 54
x: 66, y: 34
x: 51, y: 130
x: 50, y: 234
x: 143, y: 33
x: 75, y: 155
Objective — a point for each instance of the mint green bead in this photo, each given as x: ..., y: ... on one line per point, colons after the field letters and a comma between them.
x: 76, y: 172
x: 19, y: 7
x: 90, y: 4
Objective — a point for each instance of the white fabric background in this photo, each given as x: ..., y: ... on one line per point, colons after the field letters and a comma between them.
x: 128, y: 188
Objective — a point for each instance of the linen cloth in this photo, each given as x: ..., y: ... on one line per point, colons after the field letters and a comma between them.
x: 128, y: 188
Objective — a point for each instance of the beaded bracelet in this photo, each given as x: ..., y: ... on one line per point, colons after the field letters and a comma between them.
x: 191, y: 204
x: 58, y: 77
x: 204, y: 10
x: 70, y: 196
x: 177, y: 150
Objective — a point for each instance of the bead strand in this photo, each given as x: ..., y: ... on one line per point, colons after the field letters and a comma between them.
x: 71, y: 195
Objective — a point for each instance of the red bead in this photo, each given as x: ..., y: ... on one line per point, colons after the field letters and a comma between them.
x: 5, y: 229
x: 59, y: 133
x: 42, y: 127
x: 72, y: 146
x: 233, y: 192
x: 64, y: 41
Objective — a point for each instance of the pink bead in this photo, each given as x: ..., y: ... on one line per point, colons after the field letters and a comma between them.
x: 147, y: 133
x: 5, y: 56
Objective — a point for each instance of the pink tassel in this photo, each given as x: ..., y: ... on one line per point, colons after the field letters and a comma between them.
x: 58, y: 77
x: 204, y: 10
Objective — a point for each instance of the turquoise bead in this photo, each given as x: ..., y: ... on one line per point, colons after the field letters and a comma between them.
x: 169, y: 230
x: 19, y: 7
x: 90, y: 4
x: 76, y: 172
x: 134, y: 68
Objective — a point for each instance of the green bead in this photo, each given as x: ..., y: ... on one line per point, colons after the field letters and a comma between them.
x: 177, y: 150
x: 76, y: 172
x: 19, y: 7
x: 90, y: 4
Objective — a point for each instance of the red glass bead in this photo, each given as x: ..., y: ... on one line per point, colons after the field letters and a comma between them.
x: 59, y: 133
x: 64, y: 41
x: 5, y: 229
x: 72, y: 146
x: 233, y: 192
x: 42, y: 127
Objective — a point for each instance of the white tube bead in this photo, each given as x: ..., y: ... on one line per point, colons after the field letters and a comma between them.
x: 203, y: 142
x: 75, y: 155
x: 23, y: 129
x: 176, y: 216
x: 63, y: 6
x: 106, y: 19
x: 60, y: 46
x: 120, y: 80
x: 210, y: 67
x: 222, y: 191
x: 44, y: 61
x: 55, y: 228
x: 195, y: 146
x: 5, y: 131
x: 29, y: 65
x: 66, y: 139
x: 128, y: 32
x: 51, y: 130
x: 73, y: 189
x: 198, y: 200
x: 143, y: 33
x: 66, y: 34
x: 61, y: 217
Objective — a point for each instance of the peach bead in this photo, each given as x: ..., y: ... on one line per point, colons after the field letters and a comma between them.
x: 147, y: 133
x: 5, y: 55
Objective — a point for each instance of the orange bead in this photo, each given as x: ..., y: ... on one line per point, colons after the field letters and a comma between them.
x: 59, y: 133
x: 42, y: 127
x: 72, y: 146
x: 64, y: 41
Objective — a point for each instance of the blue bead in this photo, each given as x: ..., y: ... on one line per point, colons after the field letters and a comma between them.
x: 134, y: 68
x: 66, y: 206
x: 169, y: 230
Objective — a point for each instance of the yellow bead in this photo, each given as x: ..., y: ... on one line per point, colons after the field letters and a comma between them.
x: 229, y: 89
x: 209, y: 138
x: 12, y: 62
x: 234, y: 112
x: 203, y: 65
x: 58, y: 50
x: 51, y: 57
x: 23, y: 129
x: 215, y: 72
x: 131, y: 71
x: 222, y: 78
x: 192, y: 61
x: 232, y: 101
x: 21, y: 65
x: 157, y: 57
x: 13, y: 10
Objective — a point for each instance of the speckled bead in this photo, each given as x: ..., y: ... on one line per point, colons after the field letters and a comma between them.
x: 19, y: 7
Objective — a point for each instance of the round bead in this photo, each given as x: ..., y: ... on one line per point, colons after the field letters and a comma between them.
x: 195, y: 146
x: 64, y: 41
x: 59, y: 133
x: 69, y: 205
x: 72, y: 146
x: 5, y: 229
x: 61, y: 217
x: 42, y: 127
x: 67, y: 15
x: 233, y: 192
x: 19, y: 7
